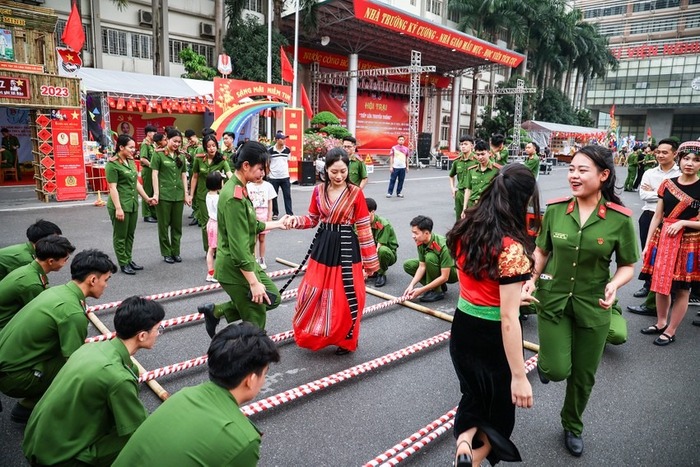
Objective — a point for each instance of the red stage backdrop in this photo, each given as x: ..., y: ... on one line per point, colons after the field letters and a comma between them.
x: 380, y: 118
x: 67, y: 136
x: 134, y: 123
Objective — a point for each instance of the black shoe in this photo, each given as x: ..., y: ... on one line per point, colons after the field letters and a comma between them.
x: 431, y: 296
x: 275, y: 217
x: 641, y: 310
x: 169, y: 259
x: 210, y: 321
x: 127, y: 269
x: 696, y: 322
x: 543, y: 378
x: 381, y: 280
x: 150, y: 220
x: 177, y: 259
x: 191, y: 216
x: 342, y: 351
x: 194, y: 222
x: 443, y: 287
x: 641, y: 293
x: 135, y: 266
x: 573, y: 443
x: 20, y: 414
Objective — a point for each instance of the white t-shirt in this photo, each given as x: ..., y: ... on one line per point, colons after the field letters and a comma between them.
x: 212, y: 202
x: 261, y: 193
x: 279, y: 162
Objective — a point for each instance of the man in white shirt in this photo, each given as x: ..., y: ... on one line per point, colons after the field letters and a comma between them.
x: 279, y: 174
x: 398, y: 166
x: 648, y: 188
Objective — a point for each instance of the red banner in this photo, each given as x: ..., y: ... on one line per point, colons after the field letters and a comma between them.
x: 67, y: 136
x: 133, y: 124
x: 14, y: 88
x: 389, y: 18
x: 643, y: 51
x: 24, y: 67
x: 229, y: 92
x: 294, y: 129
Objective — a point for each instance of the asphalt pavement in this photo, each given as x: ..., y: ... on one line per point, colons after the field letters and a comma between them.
x: 643, y: 410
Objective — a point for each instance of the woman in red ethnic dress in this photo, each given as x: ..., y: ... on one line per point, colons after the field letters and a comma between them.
x: 672, y: 254
x: 332, y: 293
x: 493, y: 251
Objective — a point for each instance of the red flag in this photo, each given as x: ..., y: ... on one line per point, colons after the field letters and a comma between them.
x: 73, y: 35
x: 612, y: 112
x: 287, y: 70
x: 306, y: 103
x: 649, y: 133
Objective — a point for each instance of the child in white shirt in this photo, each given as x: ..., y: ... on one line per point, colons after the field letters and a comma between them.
x: 261, y: 193
x: 214, y: 182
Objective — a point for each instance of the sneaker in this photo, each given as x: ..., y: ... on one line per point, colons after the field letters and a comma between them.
x: 694, y: 301
x: 262, y: 263
x: 399, y: 195
x: 275, y: 217
x: 210, y: 278
x: 388, y: 195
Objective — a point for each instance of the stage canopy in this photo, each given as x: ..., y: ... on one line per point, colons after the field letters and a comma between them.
x: 128, y: 84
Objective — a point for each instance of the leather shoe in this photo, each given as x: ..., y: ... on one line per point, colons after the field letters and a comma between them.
x: 135, y: 266
x: 169, y: 259
x: 573, y: 443
x: 431, y: 296
x: 194, y: 222
x: 210, y: 321
x: 641, y: 293
x: 20, y: 414
x: 641, y: 310
x: 150, y: 220
x: 177, y: 259
x: 381, y: 280
x: 443, y: 287
x: 543, y: 378
x: 342, y: 351
x: 696, y: 322
x: 127, y: 269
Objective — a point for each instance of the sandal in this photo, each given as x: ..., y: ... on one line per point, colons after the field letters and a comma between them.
x: 662, y: 342
x: 464, y: 460
x: 653, y: 329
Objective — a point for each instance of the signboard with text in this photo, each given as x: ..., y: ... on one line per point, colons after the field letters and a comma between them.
x: 67, y: 136
x: 14, y: 88
x: 294, y: 129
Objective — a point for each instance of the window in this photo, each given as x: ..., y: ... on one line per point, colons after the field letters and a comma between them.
x: 434, y: 6
x: 255, y: 5
x: 114, y: 42
x: 453, y: 15
x: 61, y: 25
x: 203, y: 49
x: 445, y: 133
x: 141, y: 46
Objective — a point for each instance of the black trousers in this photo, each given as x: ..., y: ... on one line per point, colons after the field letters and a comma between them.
x: 286, y: 186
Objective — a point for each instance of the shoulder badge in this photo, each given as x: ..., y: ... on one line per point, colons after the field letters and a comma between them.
x: 239, y: 192
x: 563, y: 199
x: 378, y: 225
x: 619, y: 208
x: 472, y: 166
x: 497, y: 165
x: 113, y: 159
x: 434, y: 245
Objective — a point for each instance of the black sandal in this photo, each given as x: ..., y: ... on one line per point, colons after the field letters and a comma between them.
x: 463, y: 460
x: 653, y: 329
x: 662, y: 342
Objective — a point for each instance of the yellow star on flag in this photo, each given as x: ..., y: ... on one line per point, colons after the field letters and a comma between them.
x: 75, y: 115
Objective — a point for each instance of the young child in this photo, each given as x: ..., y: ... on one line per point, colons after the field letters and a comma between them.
x: 214, y: 183
x: 261, y: 193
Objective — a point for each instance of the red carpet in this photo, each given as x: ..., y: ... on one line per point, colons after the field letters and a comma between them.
x: 27, y: 179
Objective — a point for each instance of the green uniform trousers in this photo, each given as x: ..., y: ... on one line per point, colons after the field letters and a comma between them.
x: 103, y: 451
x: 148, y: 211
x: 459, y: 204
x: 631, y: 177
x: 573, y: 353
x: 241, y: 307
x: 123, y: 235
x: 29, y: 385
x: 169, y: 226
x: 387, y: 257
x: 432, y: 270
x: 650, y: 301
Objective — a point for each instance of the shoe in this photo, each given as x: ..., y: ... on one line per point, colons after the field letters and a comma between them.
x: 210, y: 278
x: 380, y: 281
x: 696, y: 322
x: 135, y: 266
x: 464, y: 459
x: 399, y: 195
x: 543, y: 378
x: 194, y: 222
x: 177, y: 259
x: 641, y: 293
x: 443, y: 287
x: 20, y: 414
x: 641, y: 310
x: 275, y: 217
x: 653, y: 329
x: 342, y: 351
x: 388, y: 195
x: 210, y: 321
x: 169, y: 259
x: 662, y: 342
x: 694, y: 301
x: 263, y: 266
x: 150, y: 220
x: 127, y: 269
x: 431, y: 296
x: 573, y: 443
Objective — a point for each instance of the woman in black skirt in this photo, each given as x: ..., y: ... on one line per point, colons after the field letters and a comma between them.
x: 493, y: 254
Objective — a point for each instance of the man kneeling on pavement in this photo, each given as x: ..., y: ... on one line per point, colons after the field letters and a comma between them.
x: 385, y: 238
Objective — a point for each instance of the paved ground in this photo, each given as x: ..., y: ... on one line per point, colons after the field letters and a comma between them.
x: 643, y: 411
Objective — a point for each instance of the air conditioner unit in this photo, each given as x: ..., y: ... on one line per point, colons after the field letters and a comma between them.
x: 206, y: 30
x: 145, y: 18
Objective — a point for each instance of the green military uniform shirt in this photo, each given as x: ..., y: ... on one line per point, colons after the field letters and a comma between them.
x: 9, y: 155
x: 196, y: 426
x: 126, y: 178
x: 20, y: 287
x: 578, y: 268
x: 649, y: 161
x: 384, y: 234
x: 477, y: 180
x: 89, y: 411
x: 500, y: 157
x: 146, y: 151
x: 459, y: 169
x: 52, y: 324
x: 533, y: 164
x: 202, y: 168
x: 237, y: 229
x: 14, y: 256
x: 169, y: 176
x: 229, y: 154
x: 633, y: 159
x: 437, y: 245
x: 357, y: 171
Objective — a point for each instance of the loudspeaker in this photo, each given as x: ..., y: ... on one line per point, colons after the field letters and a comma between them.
x: 424, y: 140
x: 307, y: 175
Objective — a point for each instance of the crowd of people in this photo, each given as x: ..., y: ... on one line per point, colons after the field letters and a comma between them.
x: 563, y: 272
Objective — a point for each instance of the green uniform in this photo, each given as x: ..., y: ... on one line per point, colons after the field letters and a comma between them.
x: 20, y: 287
x: 500, y: 157
x: 384, y: 235
x: 459, y: 169
x: 170, y: 201
x: 436, y: 257
x: 357, y: 171
x: 196, y: 426
x: 238, y: 228
x: 90, y: 410
x: 632, y: 164
x: 229, y: 155
x: 9, y: 155
x: 126, y: 178
x: 478, y: 180
x: 147, y: 152
x: 649, y: 161
x: 14, y: 256
x: 572, y: 326
x: 533, y: 164
x: 37, y: 341
x: 202, y: 168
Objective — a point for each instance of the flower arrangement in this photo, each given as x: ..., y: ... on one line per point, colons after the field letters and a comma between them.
x: 264, y: 140
x: 317, y: 145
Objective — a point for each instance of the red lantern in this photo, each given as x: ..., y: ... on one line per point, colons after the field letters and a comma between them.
x: 120, y: 103
x: 112, y: 103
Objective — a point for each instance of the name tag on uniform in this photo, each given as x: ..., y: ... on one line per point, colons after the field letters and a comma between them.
x: 545, y: 277
x: 559, y: 235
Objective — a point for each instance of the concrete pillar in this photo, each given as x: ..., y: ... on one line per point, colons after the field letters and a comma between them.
x: 352, y: 95
x: 454, y: 113
x: 660, y: 121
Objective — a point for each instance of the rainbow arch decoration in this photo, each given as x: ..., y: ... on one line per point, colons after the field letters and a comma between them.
x: 235, y: 117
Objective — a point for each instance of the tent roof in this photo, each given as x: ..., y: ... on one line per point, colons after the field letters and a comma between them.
x: 534, y: 125
x: 125, y: 84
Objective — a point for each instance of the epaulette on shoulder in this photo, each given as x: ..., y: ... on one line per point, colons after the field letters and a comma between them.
x: 472, y: 166
x: 497, y: 165
x: 563, y: 199
x: 112, y: 159
x: 619, y: 208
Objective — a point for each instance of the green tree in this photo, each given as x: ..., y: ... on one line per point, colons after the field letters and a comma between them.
x: 325, y: 118
x: 584, y: 118
x: 246, y: 43
x: 555, y: 107
x: 196, y: 65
